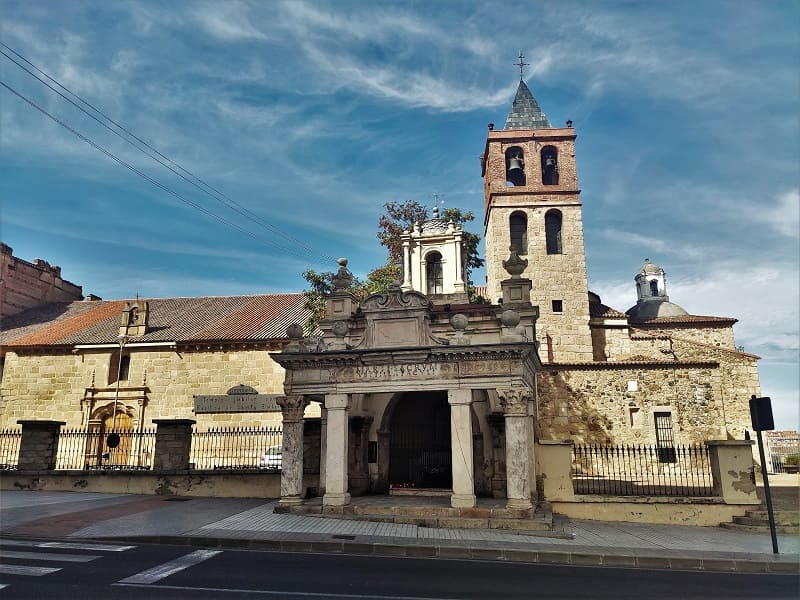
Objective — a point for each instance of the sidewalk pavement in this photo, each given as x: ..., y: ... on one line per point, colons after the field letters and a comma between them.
x: 251, y: 523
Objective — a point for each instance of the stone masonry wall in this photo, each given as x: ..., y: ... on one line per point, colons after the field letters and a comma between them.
x: 52, y: 386
x: 714, y: 336
x: 598, y: 404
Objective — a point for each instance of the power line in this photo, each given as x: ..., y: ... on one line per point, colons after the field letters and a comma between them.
x: 173, y: 166
x: 155, y: 182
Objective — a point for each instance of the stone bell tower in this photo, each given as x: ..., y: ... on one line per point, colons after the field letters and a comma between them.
x: 532, y: 202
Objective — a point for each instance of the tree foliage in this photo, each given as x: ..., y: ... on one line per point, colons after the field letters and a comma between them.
x: 399, y: 217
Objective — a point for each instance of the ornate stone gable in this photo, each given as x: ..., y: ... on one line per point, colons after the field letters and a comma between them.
x: 397, y: 319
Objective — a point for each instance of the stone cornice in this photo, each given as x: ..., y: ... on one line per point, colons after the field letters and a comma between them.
x: 411, y: 355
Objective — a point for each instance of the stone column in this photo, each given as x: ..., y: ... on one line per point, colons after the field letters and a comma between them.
x: 173, y: 444
x: 336, y: 450
x: 406, y: 265
x: 461, y: 447
x: 292, y: 409
x: 38, y: 445
x: 518, y: 468
x: 323, y: 447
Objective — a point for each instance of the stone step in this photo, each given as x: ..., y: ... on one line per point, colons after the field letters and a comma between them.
x: 785, y: 517
x: 421, y: 492
x: 780, y: 519
x: 782, y: 529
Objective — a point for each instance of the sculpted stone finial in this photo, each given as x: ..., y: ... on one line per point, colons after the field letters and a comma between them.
x: 343, y: 278
x: 515, y: 265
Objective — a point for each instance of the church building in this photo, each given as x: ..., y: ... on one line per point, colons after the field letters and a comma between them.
x: 415, y: 388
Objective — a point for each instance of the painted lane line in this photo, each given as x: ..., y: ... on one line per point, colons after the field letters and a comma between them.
x: 282, y: 593
x: 170, y: 568
x: 50, y: 556
x: 26, y: 570
x: 65, y: 545
x: 77, y: 546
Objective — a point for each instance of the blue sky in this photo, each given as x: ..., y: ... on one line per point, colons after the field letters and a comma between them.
x: 313, y: 115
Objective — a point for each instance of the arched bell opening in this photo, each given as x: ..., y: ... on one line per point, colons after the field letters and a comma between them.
x: 515, y: 166
x: 434, y: 273
x: 549, y: 165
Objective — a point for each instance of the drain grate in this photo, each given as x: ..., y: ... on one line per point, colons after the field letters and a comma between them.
x: 343, y: 537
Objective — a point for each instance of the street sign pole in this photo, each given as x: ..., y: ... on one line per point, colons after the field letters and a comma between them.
x: 761, y: 418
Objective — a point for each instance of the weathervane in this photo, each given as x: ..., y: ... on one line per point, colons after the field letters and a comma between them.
x: 521, y: 64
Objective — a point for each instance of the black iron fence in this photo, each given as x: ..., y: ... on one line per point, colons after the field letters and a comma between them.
x: 9, y: 448
x: 633, y: 470
x: 130, y: 450
x: 237, y: 448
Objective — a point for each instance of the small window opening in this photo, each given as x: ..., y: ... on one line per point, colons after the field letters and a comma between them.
x: 558, y: 306
x: 125, y: 368
x: 654, y: 288
x: 515, y: 166
x: 552, y: 228
x: 434, y: 274
x: 518, y: 225
x: 549, y: 165
x: 665, y: 441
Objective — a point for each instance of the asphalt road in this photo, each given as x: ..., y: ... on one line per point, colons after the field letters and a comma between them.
x: 88, y: 571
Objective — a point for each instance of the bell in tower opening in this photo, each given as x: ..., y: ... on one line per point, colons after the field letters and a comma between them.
x: 549, y: 166
x: 515, y: 166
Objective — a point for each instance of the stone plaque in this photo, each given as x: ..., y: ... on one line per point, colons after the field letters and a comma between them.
x: 236, y: 403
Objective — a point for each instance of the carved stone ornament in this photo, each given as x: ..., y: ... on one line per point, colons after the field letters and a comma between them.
x: 292, y: 407
x: 294, y: 331
x: 393, y: 299
x: 515, y: 400
x: 340, y: 329
x: 510, y: 318
x: 459, y: 322
x: 515, y: 265
x: 343, y: 278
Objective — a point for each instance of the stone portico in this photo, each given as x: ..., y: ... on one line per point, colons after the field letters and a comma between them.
x: 389, y: 370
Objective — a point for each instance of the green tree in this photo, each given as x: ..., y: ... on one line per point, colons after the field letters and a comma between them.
x: 399, y: 217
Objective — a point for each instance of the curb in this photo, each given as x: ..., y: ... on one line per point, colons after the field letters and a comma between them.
x: 785, y: 565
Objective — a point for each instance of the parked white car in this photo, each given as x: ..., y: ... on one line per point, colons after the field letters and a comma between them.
x: 272, y: 458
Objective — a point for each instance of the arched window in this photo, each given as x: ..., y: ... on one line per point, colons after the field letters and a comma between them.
x: 518, y: 227
x: 552, y: 230
x: 433, y: 273
x: 549, y: 165
x: 515, y: 166
x: 654, y: 288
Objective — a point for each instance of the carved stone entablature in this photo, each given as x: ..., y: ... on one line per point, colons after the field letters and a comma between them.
x: 515, y: 400
x: 402, y: 369
x: 292, y: 407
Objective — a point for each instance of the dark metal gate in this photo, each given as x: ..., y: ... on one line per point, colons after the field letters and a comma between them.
x: 419, y: 451
x: 664, y: 438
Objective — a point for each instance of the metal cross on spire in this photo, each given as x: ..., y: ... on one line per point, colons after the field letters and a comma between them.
x: 521, y: 64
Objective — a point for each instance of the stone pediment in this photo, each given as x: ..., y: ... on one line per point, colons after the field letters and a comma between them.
x: 395, y: 299
x: 397, y: 319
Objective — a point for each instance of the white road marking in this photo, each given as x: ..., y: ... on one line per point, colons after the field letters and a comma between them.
x: 170, y: 568
x: 283, y: 593
x: 66, y: 545
x: 26, y: 570
x: 49, y: 556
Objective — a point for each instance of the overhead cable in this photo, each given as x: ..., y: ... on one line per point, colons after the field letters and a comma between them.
x: 159, y: 157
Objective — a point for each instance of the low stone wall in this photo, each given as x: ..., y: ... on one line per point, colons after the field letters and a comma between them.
x: 228, y: 484
x: 705, y: 512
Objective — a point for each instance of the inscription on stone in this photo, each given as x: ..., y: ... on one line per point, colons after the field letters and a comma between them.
x: 236, y: 403
x: 396, y: 371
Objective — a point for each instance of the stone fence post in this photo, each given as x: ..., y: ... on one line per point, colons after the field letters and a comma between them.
x: 732, y: 470
x: 554, y: 460
x: 38, y: 445
x: 173, y: 444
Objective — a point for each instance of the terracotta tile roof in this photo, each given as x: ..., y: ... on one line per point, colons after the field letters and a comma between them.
x: 219, y: 318
x: 601, y: 311
x: 693, y: 320
x: 63, y: 326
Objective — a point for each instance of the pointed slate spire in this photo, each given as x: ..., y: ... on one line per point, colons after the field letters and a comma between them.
x: 525, y: 112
